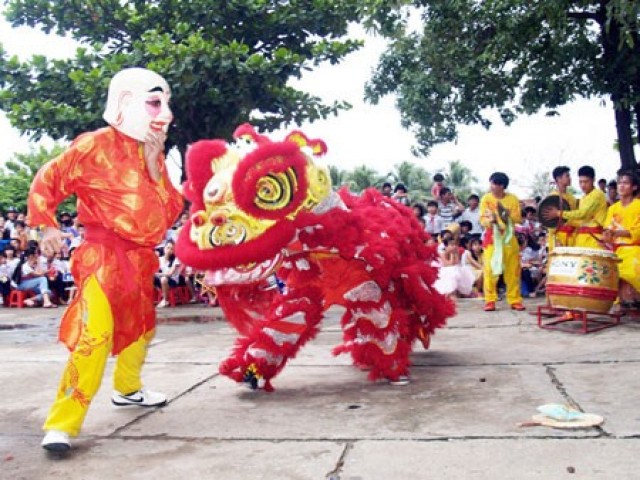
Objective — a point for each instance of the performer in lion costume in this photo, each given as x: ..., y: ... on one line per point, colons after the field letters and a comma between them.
x: 261, y: 207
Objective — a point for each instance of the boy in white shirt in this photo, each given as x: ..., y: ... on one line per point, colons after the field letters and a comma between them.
x: 472, y: 214
x: 433, y: 221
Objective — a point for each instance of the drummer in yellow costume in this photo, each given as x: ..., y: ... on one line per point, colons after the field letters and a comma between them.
x: 127, y: 203
x: 622, y: 231
x: 499, y: 213
x: 589, y: 217
x: 564, y: 234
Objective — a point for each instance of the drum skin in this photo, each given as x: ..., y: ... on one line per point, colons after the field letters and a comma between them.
x: 582, y: 279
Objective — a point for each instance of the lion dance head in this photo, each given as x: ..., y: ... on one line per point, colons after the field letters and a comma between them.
x: 245, y: 198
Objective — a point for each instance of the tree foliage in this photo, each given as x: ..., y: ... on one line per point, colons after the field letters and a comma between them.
x: 362, y: 177
x: 470, y: 58
x: 541, y: 184
x: 461, y: 180
x: 415, y: 178
x: 338, y: 176
x: 17, y: 175
x: 227, y: 62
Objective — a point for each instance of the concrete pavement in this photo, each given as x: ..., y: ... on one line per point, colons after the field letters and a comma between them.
x: 458, y: 418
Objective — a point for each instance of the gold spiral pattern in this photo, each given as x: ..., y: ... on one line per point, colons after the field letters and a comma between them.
x: 275, y: 190
x: 231, y: 233
x: 319, y: 184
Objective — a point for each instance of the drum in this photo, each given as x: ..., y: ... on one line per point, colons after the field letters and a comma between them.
x: 582, y: 279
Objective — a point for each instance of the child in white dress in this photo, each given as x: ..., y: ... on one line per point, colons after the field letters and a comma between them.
x: 472, y: 259
x: 453, y: 278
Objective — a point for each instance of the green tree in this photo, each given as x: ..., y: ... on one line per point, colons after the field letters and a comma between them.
x: 17, y: 174
x: 414, y: 177
x: 460, y: 179
x: 338, y: 176
x: 541, y: 184
x: 471, y: 58
x: 227, y: 62
x: 361, y: 178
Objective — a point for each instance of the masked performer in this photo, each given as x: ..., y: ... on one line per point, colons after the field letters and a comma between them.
x: 590, y: 215
x: 563, y: 235
x: 622, y: 231
x: 127, y: 203
x: 500, y: 212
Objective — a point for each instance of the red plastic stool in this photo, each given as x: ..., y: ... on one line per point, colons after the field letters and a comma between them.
x: 17, y: 297
x: 175, y: 296
x: 184, y: 293
x: 157, y: 295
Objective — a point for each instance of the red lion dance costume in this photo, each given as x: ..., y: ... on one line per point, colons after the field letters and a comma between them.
x: 261, y: 207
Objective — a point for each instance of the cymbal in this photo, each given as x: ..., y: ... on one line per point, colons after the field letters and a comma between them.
x: 549, y: 202
x: 503, y: 213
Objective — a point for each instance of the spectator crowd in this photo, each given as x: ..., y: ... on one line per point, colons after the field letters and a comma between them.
x: 453, y: 225
x: 48, y: 278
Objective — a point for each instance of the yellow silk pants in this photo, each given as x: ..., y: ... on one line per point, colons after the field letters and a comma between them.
x: 83, y: 373
x: 510, y: 271
x: 629, y: 268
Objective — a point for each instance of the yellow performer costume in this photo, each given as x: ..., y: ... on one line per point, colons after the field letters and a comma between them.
x: 126, y: 206
x: 588, y: 219
x: 627, y: 218
x: 501, y: 250
x: 564, y: 235
x: 83, y: 374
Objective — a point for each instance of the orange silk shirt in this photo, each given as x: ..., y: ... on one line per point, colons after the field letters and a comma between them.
x: 107, y: 172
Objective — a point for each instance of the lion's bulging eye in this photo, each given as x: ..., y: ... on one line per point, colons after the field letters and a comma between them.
x: 266, y: 191
x: 270, y: 190
x: 275, y: 191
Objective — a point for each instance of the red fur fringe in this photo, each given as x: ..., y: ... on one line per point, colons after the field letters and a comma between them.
x: 269, y: 159
x: 307, y: 300
x: 199, y: 172
x: 375, y: 234
x: 257, y: 250
x: 248, y: 130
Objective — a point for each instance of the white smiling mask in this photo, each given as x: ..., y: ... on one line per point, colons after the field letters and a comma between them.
x: 138, y: 102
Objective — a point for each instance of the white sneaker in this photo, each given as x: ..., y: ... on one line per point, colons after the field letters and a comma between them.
x: 141, y: 398
x: 163, y: 304
x: 401, y: 381
x: 56, y: 441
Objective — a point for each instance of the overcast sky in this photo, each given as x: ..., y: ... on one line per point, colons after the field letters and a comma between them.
x: 583, y: 134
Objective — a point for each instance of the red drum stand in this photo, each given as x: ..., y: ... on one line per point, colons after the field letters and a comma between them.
x: 589, y: 321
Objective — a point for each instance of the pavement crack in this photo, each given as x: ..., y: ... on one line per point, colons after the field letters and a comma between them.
x: 562, y: 389
x: 335, y: 473
x: 579, y: 435
x: 421, y: 356
x: 151, y: 411
x: 477, y: 327
x: 569, y: 399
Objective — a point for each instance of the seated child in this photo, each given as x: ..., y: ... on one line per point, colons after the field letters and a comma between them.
x: 472, y: 258
x: 453, y: 277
